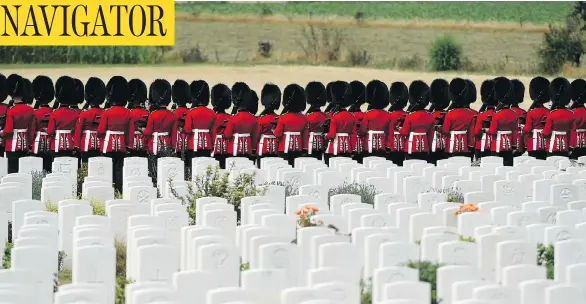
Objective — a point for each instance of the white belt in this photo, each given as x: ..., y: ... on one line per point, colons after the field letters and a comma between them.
x: 37, y: 140
x: 137, y: 132
x: 15, y: 137
x: 498, y: 139
x: 411, y: 135
x: 88, y: 134
x: 483, y: 140
x: 371, y: 134
x: 312, y: 136
x: 107, y: 139
x: 434, y: 142
x: 580, y: 130
x: 536, y: 137
x: 336, y: 141
x: 220, y: 137
x: 453, y: 137
x: 288, y: 139
x: 261, y: 144
x: 196, y: 137
x: 58, y: 138
x: 156, y: 140
x: 552, y: 140
x: 237, y: 137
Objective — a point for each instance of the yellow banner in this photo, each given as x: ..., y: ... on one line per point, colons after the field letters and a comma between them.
x: 94, y: 23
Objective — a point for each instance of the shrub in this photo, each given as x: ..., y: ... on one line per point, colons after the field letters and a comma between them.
x: 428, y: 273
x: 290, y: 189
x: 545, y: 258
x: 6, y: 258
x: 82, y: 173
x: 321, y: 44
x: 98, y: 207
x: 37, y: 184
x: 121, y: 280
x: 51, y: 207
x: 357, y: 58
x: 452, y: 196
x: 193, y: 55
x: 365, y: 292
x: 79, y: 55
x: 445, y: 54
x: 365, y: 191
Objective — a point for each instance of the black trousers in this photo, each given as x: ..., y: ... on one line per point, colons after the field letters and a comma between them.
x: 480, y: 154
x: 437, y: 155
x: 117, y: 165
x: 221, y: 158
x: 540, y: 154
x: 566, y: 154
x: 577, y: 152
x: 13, y: 158
x: 137, y: 153
x: 507, y: 157
x: 291, y: 156
x: 360, y: 156
x: 396, y: 157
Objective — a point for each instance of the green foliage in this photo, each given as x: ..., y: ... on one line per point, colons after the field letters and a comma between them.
x: 121, y: 280
x: 290, y: 189
x: 445, y: 54
x: 78, y: 55
x: 244, y: 266
x: 545, y: 258
x: 428, y: 273
x: 82, y: 173
x: 6, y: 258
x: 365, y: 292
x: 121, y: 283
x: 452, y: 195
x: 60, y: 259
x: 99, y: 208
x: 51, y: 207
x: 365, y: 191
x: 37, y: 184
x: 467, y: 239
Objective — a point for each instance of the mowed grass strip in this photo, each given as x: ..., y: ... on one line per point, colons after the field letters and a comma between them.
x: 507, y: 12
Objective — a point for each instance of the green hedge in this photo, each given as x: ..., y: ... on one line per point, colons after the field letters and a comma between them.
x: 79, y: 55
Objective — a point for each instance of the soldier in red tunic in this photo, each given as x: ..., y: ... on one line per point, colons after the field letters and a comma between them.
x: 440, y: 100
x: 291, y: 130
x: 139, y: 114
x: 116, y: 126
x: 44, y: 92
x: 375, y: 123
x: 504, y: 124
x: 342, y: 122
x: 458, y: 125
x: 241, y: 129
x: 519, y: 88
x: 199, y: 122
x: 86, y: 134
x: 63, y: 120
x: 578, y: 136
x: 399, y: 96
x: 472, y: 99
x: 482, y: 123
x: 19, y: 130
x: 267, y: 122
x: 181, y: 94
x: 315, y: 93
x: 161, y: 123
x: 358, y: 97
x: 419, y: 124
x: 3, y: 110
x: 221, y: 101
x: 535, y: 118
x: 559, y: 122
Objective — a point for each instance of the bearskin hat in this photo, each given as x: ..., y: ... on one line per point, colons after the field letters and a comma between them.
x: 399, y: 94
x: 503, y: 91
x: 95, y: 91
x: 472, y: 95
x: 118, y: 91
x: 181, y: 92
x: 440, y: 94
x: 358, y: 94
x: 66, y: 90
x: 377, y: 94
x: 15, y: 86
x: 294, y: 98
x: 539, y: 89
x: 3, y: 88
x: 239, y: 90
x: 137, y: 92
x: 519, y: 89
x: 560, y: 91
x: 316, y: 94
x: 200, y: 93
x: 160, y: 93
x: 487, y: 92
x: 221, y: 97
x: 79, y: 92
x: 459, y: 91
x: 419, y: 93
x: 43, y: 89
x: 328, y: 90
x: 341, y: 93
x: 579, y: 91
x: 253, y: 104
x: 28, y: 92
x: 271, y: 96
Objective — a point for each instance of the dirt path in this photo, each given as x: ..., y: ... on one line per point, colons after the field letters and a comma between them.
x: 255, y: 76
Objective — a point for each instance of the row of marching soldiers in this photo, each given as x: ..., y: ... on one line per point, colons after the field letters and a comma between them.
x: 430, y: 122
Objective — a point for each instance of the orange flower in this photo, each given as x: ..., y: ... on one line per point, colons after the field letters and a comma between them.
x: 320, y: 222
x: 315, y: 209
x: 298, y: 212
x: 307, y: 206
x: 302, y: 216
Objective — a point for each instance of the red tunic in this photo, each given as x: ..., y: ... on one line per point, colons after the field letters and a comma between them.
x: 291, y: 132
x: 19, y: 130
x: 341, y: 127
x: 199, y: 124
x: 315, y: 131
x: 533, y: 129
x: 374, y: 128
x: 241, y: 133
x: 41, y: 142
x: 578, y: 136
x: 181, y: 137
x: 522, y: 115
x: 220, y: 142
x: 117, y: 129
x: 86, y: 134
x: 357, y: 140
x: 139, y: 142
x: 395, y: 141
x: 483, y: 141
x: 159, y: 129
x: 3, y: 110
x: 61, y: 126
x: 418, y: 128
x: 558, y: 126
x: 267, y: 142
x: 439, y: 140
x: 503, y: 129
x: 458, y: 128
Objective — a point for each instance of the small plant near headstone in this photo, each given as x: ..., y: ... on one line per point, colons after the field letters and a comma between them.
x: 82, y: 173
x: 37, y: 183
x: 290, y: 189
x: 306, y: 215
x: 545, y: 257
x: 465, y: 208
x: 467, y: 239
x: 366, y: 192
x: 244, y: 266
x: 6, y: 258
x: 98, y: 207
x: 51, y: 207
x: 365, y: 291
x: 452, y: 195
x: 428, y: 273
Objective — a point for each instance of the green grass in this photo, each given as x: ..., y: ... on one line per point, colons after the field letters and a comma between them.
x: 510, y: 12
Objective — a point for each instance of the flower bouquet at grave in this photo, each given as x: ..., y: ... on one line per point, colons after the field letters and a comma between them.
x: 466, y: 208
x: 306, y: 215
